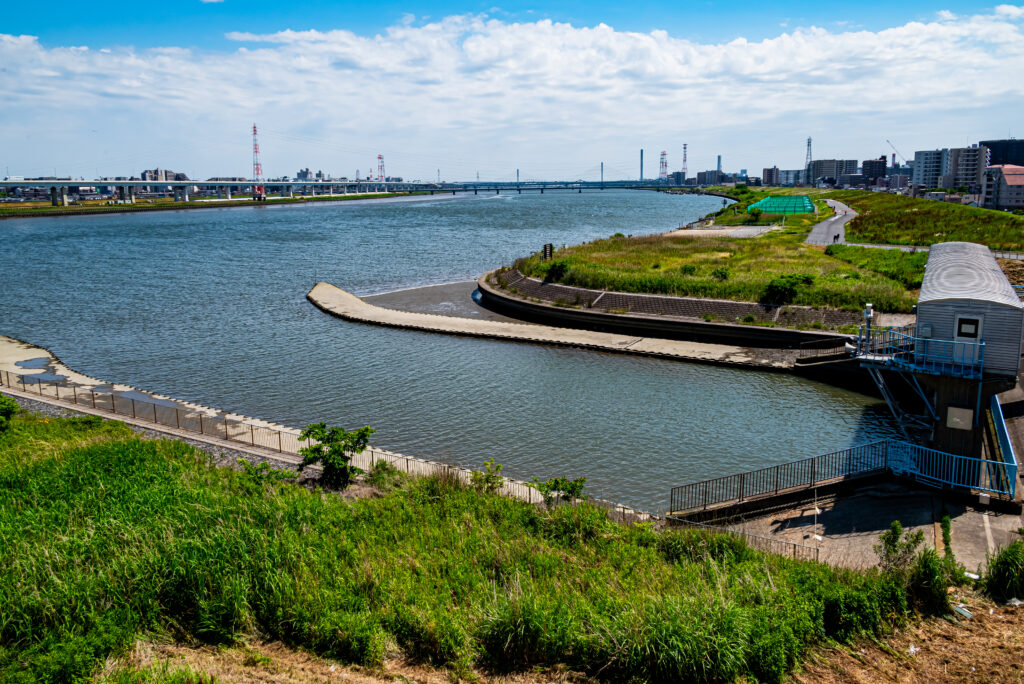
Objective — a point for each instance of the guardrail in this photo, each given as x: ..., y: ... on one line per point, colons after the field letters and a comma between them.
x: 814, y: 349
x: 901, y: 347
x: 285, y: 442
x: 777, y: 546
x: 928, y: 466
x: 855, y: 461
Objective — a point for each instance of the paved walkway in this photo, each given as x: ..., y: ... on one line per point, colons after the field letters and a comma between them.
x: 338, y: 302
x: 833, y: 229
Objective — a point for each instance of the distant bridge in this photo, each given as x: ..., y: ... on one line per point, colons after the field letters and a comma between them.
x: 126, y: 190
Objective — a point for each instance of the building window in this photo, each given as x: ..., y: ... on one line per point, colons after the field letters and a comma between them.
x: 967, y: 328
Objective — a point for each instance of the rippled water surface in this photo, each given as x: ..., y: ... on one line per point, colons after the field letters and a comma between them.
x: 210, y: 306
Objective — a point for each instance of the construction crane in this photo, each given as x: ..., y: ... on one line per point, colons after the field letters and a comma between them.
x: 896, y: 151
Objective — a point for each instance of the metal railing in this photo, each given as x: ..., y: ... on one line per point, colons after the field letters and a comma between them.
x: 285, y: 442
x: 929, y: 466
x: 902, y: 348
x: 814, y: 349
x: 855, y: 461
x: 1002, y: 435
x: 1016, y: 256
x: 778, y: 547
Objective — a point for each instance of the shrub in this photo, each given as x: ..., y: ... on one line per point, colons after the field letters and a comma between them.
x: 556, y: 271
x: 332, y: 449
x: 384, y: 476
x: 896, y: 548
x: 721, y: 273
x: 488, y: 480
x: 687, y: 269
x: 1004, y: 578
x: 928, y: 582
x: 559, y: 488
x: 8, y: 409
x: 783, y: 289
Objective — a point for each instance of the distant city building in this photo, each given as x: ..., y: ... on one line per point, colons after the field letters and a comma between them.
x: 790, y: 177
x: 874, y: 168
x: 162, y: 175
x: 898, y: 181
x: 1003, y: 187
x: 770, y: 176
x: 1002, y: 152
x: 851, y: 180
x: 677, y: 178
x: 829, y: 170
x: 928, y: 166
x: 712, y: 177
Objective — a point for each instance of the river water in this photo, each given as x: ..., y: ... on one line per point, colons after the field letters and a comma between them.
x: 209, y: 306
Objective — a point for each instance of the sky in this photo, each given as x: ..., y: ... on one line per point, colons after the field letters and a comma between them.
x: 456, y: 89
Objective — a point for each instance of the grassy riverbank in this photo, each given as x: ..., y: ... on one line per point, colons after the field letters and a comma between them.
x: 898, y: 220
x: 33, y: 209
x: 107, y: 539
x: 740, y: 269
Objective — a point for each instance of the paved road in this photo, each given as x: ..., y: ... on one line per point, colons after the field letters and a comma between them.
x: 833, y: 229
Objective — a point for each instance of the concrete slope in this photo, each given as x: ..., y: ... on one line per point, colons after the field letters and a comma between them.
x: 338, y: 302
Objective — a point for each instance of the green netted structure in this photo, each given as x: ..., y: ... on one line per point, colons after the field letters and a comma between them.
x: 785, y: 204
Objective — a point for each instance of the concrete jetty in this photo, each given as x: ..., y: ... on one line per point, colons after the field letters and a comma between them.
x: 345, y: 305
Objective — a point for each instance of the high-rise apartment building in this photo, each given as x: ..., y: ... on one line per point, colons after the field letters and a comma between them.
x: 825, y: 170
x: 770, y: 176
x: 874, y: 169
x: 1001, y: 152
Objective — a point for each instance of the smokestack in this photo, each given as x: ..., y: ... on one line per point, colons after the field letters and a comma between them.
x: 719, y: 163
x: 641, y: 163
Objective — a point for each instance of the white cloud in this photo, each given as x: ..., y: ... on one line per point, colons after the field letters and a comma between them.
x: 472, y: 91
x: 946, y: 15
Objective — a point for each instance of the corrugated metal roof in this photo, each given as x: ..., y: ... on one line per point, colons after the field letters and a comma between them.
x: 964, y: 270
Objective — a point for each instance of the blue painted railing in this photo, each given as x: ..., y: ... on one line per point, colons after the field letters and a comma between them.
x: 1002, y: 435
x: 901, y: 348
x: 1019, y: 289
x: 928, y: 466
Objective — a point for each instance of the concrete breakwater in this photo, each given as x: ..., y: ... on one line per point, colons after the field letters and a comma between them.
x: 712, y: 320
x: 338, y: 302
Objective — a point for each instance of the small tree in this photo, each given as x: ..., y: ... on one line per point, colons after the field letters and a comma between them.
x: 897, y: 549
x: 489, y: 480
x: 560, y: 488
x: 332, y: 449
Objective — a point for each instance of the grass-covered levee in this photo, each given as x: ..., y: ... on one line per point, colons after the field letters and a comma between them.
x: 106, y: 538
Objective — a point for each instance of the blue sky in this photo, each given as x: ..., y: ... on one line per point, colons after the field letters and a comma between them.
x: 106, y: 88
x: 192, y: 23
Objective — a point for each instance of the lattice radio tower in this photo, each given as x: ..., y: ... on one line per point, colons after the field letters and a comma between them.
x: 380, y: 168
x: 684, y: 163
x: 807, y: 163
x: 258, y: 189
x: 663, y: 167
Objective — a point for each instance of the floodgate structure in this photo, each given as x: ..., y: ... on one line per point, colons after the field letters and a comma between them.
x: 940, y: 376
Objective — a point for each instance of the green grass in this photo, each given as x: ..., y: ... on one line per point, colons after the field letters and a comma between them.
x: 898, y: 220
x: 686, y: 266
x: 105, y: 538
x: 905, y: 268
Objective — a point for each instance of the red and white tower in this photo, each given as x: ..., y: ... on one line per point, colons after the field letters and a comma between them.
x: 684, y: 164
x: 258, y: 189
x: 380, y: 168
x: 663, y: 168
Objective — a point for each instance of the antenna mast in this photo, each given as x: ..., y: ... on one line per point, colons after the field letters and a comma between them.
x: 807, y: 163
x: 684, y: 164
x: 258, y: 189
